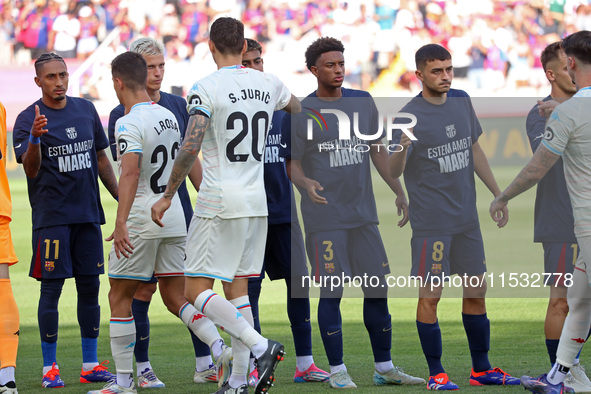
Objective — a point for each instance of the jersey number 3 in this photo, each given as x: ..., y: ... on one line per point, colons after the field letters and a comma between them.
x: 242, y: 119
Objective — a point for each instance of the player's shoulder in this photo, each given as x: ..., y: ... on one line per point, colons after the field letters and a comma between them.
x: 173, y: 99
x: 534, y: 113
x: 80, y: 102
x: 354, y: 93
x: 117, y: 112
x: 457, y: 93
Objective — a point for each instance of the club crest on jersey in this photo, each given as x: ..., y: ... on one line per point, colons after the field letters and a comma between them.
x: 436, y: 268
x: 450, y: 130
x: 329, y: 268
x: 49, y: 266
x: 71, y: 133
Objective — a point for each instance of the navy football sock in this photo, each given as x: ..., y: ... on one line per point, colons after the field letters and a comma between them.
x: 201, y: 349
x: 298, y: 311
x: 139, y: 309
x: 378, y: 323
x: 48, y: 317
x: 477, y: 329
x: 254, y: 292
x: 430, y: 336
x: 89, y: 315
x: 552, y: 346
x: 329, y: 322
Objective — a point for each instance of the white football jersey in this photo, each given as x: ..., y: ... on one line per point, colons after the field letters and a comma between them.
x: 240, y: 103
x: 153, y: 131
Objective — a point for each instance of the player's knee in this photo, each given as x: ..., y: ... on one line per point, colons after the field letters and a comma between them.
x: 88, y: 286
x: 558, y: 307
x: 145, y: 291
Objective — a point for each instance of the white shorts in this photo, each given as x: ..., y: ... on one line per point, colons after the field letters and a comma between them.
x: 226, y: 248
x: 159, y: 256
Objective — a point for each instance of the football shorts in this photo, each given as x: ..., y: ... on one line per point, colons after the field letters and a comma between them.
x: 7, y: 254
x: 559, y: 258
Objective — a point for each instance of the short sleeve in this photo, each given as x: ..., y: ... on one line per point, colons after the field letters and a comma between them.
x: 100, y: 138
x: 558, y: 131
x: 21, y: 133
x: 129, y: 137
x: 199, y: 99
x: 115, y: 114
x: 282, y: 93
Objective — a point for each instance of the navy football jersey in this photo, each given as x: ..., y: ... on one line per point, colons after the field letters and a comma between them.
x: 341, y: 166
x: 277, y: 184
x: 439, y: 172
x: 178, y: 106
x: 66, y: 190
x: 553, y: 213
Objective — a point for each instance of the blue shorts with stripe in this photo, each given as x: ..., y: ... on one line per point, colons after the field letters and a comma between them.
x: 559, y: 258
x: 353, y: 252
x: 461, y: 253
x: 285, y: 256
x: 67, y: 251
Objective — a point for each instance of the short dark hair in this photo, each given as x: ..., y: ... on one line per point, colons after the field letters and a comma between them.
x: 578, y: 45
x: 131, y: 68
x: 253, y: 45
x: 46, y: 58
x: 430, y: 52
x: 550, y: 53
x: 227, y: 34
x: 320, y: 46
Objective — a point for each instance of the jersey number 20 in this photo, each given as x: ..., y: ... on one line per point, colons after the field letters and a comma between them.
x: 256, y: 134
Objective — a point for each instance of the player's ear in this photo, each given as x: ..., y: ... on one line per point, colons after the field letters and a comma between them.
x: 550, y: 75
x: 211, y: 46
x: 314, y: 70
x: 244, y: 47
x: 37, y: 81
x: 419, y: 75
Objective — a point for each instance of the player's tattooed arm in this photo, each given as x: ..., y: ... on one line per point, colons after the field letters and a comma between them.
x: 128, y: 182
x: 379, y: 157
x: 302, y: 182
x: 531, y: 174
x: 182, y: 165
x: 106, y: 173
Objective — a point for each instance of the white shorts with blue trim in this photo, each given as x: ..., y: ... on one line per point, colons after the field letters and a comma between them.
x: 225, y: 249
x: 161, y: 257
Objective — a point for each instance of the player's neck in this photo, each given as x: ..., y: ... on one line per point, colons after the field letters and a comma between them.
x: 433, y: 97
x: 132, y: 98
x: 228, y: 60
x: 560, y: 95
x: 329, y: 92
x: 154, y: 95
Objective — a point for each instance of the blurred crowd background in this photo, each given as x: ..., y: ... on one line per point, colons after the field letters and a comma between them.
x: 495, y: 44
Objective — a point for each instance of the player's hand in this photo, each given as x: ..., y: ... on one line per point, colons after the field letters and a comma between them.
x: 37, y: 130
x: 499, y: 212
x: 402, y: 205
x: 545, y: 108
x: 405, y: 140
x: 121, y: 242
x: 311, y: 187
x: 158, y: 210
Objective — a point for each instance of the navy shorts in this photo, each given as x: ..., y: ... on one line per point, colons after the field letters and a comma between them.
x: 559, y: 258
x: 461, y: 253
x: 354, y: 252
x: 285, y: 256
x: 67, y: 251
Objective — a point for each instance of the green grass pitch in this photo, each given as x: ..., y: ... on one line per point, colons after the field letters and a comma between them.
x: 517, y: 339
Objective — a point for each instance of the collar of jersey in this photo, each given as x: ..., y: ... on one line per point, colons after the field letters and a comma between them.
x: 232, y: 67
x: 144, y: 103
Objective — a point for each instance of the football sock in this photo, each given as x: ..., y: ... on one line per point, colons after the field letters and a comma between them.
x: 7, y: 375
x: 224, y: 314
x: 557, y: 374
x: 9, y: 326
x: 142, y: 366
x: 122, y: 331
x: 88, y: 310
x: 200, y: 324
x: 579, y: 353
x: 477, y: 329
x: 337, y: 368
x: 298, y: 311
x: 240, y: 352
x: 384, y: 366
x: 47, y: 317
x: 330, y: 325
x: 89, y: 356
x: 378, y: 323
x: 216, y: 348
x: 304, y: 362
x: 254, y: 292
x: 576, y: 325
x: 430, y: 337
x: 139, y: 309
x: 552, y: 346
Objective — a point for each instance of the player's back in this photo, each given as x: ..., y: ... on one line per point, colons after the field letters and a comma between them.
x: 152, y: 131
x: 239, y: 103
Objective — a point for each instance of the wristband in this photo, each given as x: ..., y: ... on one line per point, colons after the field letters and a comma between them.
x: 34, y: 140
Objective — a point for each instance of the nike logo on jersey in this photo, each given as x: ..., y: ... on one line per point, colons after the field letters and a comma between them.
x: 283, y: 145
x: 540, y: 136
x: 307, y: 320
x: 99, y: 265
x: 385, y: 264
x: 18, y: 146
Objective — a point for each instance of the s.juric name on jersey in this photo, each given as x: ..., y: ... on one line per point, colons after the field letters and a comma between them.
x: 251, y: 94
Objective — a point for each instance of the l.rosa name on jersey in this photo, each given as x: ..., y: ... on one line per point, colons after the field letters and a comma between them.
x: 250, y: 94
x: 166, y: 124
